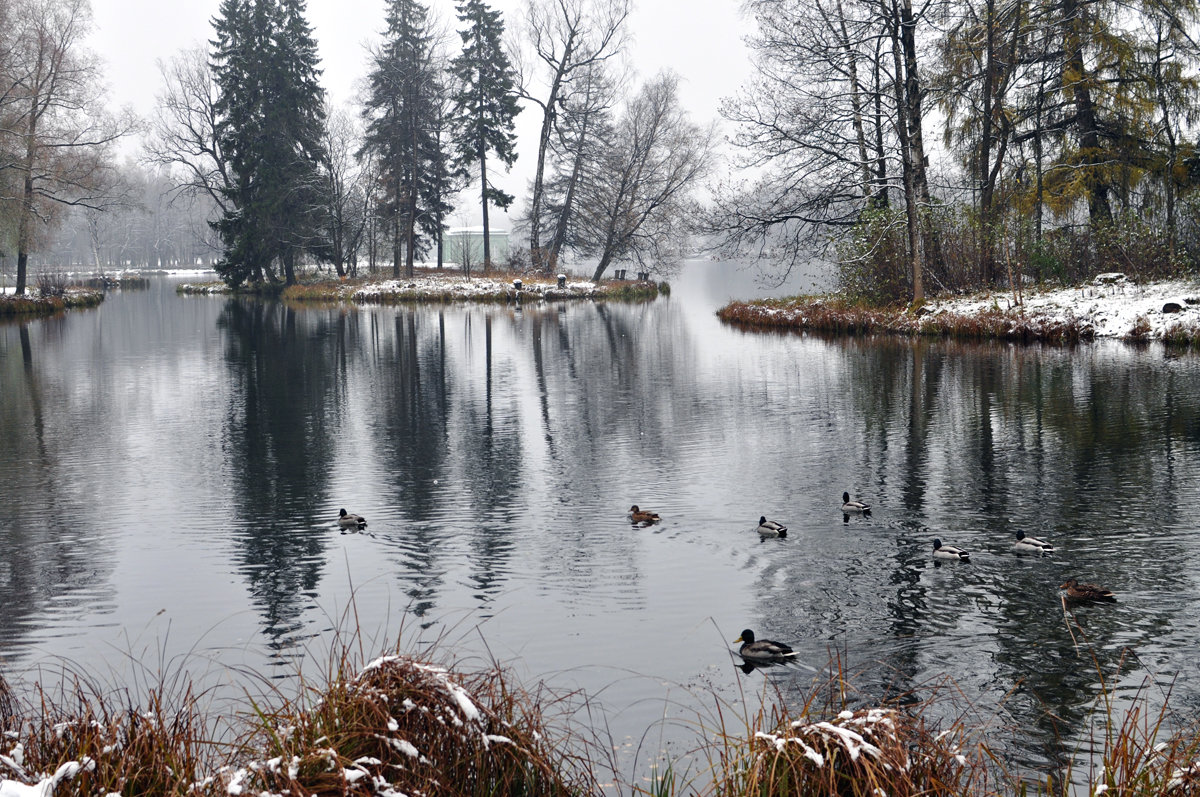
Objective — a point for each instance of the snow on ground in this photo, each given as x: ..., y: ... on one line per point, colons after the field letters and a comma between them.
x: 466, y: 288
x: 1112, y: 304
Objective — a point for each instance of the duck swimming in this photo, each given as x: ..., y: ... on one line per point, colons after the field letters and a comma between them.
x: 1028, y: 544
x: 351, y: 521
x: 769, y: 528
x: 644, y: 518
x: 849, y: 506
x: 1086, y: 592
x: 949, y: 551
x: 762, y: 650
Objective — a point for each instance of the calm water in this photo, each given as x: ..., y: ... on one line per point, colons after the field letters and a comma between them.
x: 172, y: 468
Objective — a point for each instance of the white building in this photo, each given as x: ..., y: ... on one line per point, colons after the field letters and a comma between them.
x: 464, y: 246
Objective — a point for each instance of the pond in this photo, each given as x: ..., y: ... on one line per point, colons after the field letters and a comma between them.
x: 172, y: 470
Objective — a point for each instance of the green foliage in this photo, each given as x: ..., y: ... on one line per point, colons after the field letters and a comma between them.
x: 485, y: 105
x: 405, y: 119
x: 270, y: 123
x: 872, y: 258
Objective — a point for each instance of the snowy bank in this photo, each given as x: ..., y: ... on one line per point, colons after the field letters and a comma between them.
x: 1110, y: 307
x: 453, y: 287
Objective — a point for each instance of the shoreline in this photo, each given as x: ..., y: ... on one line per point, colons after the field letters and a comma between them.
x: 1110, y: 307
x: 30, y: 306
x: 449, y: 287
x: 401, y: 724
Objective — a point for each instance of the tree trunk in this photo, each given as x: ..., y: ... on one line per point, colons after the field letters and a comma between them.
x: 396, y: 239
x: 487, y: 235
x: 916, y: 243
x: 856, y: 103
x: 916, y: 137
x: 1097, y: 186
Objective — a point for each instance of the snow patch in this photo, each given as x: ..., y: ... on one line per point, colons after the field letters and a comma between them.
x: 1112, y: 305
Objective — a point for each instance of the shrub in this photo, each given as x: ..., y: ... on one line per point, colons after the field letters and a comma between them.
x: 52, y: 283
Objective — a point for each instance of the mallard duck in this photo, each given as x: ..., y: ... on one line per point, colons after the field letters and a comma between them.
x: 769, y: 528
x: 350, y: 521
x: 1031, y: 544
x: 638, y: 516
x: 949, y: 551
x: 1086, y: 592
x: 762, y: 650
x: 849, y: 506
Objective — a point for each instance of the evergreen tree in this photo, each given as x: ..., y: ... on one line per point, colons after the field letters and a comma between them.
x: 271, y: 114
x: 404, y: 119
x: 485, y: 106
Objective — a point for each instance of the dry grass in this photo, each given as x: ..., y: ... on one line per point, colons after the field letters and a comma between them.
x: 1182, y: 335
x: 840, y: 742
x: 849, y: 318
x: 11, y: 305
x: 404, y: 725
x: 395, y: 725
x: 82, y: 740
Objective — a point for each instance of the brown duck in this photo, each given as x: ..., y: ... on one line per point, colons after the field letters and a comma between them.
x: 645, y: 518
x: 1086, y: 592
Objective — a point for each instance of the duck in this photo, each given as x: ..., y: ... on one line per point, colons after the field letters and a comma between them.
x: 1086, y: 592
x: 1031, y: 544
x: 645, y: 518
x: 769, y: 528
x: 849, y: 506
x: 949, y: 552
x: 762, y: 650
x: 348, y: 520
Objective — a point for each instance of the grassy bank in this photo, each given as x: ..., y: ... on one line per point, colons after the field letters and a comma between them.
x: 1109, y: 307
x: 31, y: 305
x: 826, y: 314
x: 398, y: 724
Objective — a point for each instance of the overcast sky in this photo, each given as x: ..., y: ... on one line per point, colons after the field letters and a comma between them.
x: 699, y: 39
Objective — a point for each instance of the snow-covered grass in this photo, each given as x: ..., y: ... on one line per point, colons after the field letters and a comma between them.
x: 450, y: 286
x: 399, y: 725
x: 1109, y: 307
x: 36, y: 304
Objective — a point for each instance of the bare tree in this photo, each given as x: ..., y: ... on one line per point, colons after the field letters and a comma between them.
x: 345, y: 217
x: 634, y: 207
x: 182, y: 133
x: 811, y: 128
x: 58, y: 118
x: 570, y: 40
x: 577, y: 156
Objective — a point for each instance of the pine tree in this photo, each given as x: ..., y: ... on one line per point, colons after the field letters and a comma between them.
x: 485, y: 106
x: 270, y: 118
x: 404, y: 116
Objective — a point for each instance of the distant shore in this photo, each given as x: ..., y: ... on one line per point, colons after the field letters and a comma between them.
x: 433, y: 286
x: 35, y: 304
x: 1111, y: 306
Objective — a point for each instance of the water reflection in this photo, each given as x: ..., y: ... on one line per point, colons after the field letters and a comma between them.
x: 199, y: 450
x: 287, y: 373
x: 50, y: 565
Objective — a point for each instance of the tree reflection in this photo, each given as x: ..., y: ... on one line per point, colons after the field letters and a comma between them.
x: 286, y: 370
x: 49, y: 560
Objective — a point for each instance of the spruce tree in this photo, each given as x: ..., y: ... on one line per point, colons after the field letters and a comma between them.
x: 485, y: 106
x: 270, y: 110
x: 404, y: 120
